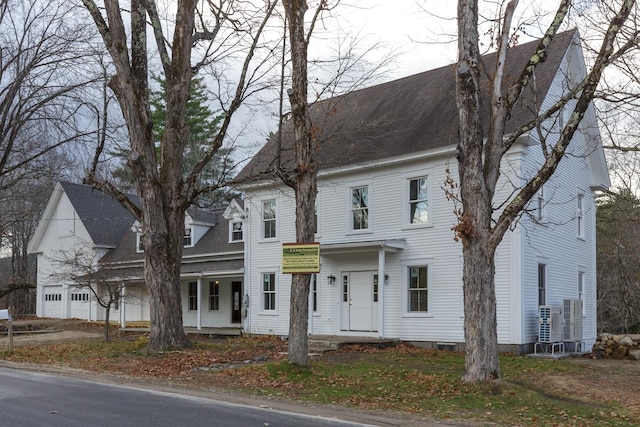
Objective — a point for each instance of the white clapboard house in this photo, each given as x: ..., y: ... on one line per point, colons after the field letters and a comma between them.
x: 389, y: 265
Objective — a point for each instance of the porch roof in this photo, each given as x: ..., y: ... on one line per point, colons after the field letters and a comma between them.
x: 389, y: 245
x: 207, y: 268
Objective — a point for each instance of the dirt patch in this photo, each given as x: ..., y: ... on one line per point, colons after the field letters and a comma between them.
x: 601, y: 380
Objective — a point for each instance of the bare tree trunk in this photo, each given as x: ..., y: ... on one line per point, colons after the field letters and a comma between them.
x: 305, y: 182
x: 163, y: 255
x: 474, y: 227
x: 107, y: 317
x: 481, y: 341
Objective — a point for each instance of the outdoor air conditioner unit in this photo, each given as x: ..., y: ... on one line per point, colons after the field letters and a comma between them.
x: 572, y: 328
x: 550, y: 322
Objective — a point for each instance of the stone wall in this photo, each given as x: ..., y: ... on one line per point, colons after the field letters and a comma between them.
x: 616, y: 347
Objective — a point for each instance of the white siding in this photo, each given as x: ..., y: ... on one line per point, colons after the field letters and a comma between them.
x: 433, y: 245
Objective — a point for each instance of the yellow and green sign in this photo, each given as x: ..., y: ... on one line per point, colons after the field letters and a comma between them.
x: 300, y: 258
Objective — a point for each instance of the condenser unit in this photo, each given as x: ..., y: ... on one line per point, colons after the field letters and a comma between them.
x: 572, y: 327
x: 550, y: 324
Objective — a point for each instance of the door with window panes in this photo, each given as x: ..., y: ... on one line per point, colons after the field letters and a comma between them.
x: 360, y: 301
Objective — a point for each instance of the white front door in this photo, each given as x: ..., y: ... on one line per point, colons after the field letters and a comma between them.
x: 361, y: 301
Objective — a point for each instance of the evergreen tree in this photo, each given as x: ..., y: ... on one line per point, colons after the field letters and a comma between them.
x: 203, y: 125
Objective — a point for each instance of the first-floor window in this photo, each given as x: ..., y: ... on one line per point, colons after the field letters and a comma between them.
x: 418, y: 290
x: 214, y: 296
x: 581, y: 289
x: 269, y: 291
x: 193, y: 296
x: 542, y: 280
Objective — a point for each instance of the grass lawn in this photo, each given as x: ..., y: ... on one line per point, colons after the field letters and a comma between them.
x: 534, y: 392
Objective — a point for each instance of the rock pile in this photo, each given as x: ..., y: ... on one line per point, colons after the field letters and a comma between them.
x: 616, y: 347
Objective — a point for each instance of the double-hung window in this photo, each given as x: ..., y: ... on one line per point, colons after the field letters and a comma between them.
x: 581, y: 289
x: 418, y: 201
x: 418, y: 290
x: 193, y: 296
x: 214, y: 295
x: 269, y: 219
x: 188, y: 238
x: 268, y: 291
x: 580, y: 215
x: 360, y: 208
x: 236, y: 231
x: 542, y: 284
x: 540, y: 204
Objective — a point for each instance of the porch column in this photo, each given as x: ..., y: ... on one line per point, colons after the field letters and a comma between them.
x: 381, y: 256
x: 123, y: 305
x: 199, y: 295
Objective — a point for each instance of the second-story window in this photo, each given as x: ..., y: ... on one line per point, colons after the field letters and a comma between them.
x: 580, y: 215
x: 418, y: 202
x: 360, y: 208
x: 188, y: 239
x: 139, y: 243
x: 236, y: 231
x: 269, y: 219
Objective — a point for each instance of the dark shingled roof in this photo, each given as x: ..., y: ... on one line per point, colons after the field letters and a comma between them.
x: 215, y: 240
x: 412, y: 114
x: 104, y: 218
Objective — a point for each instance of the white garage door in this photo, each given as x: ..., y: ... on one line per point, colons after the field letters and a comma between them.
x: 52, y: 302
x: 79, y: 305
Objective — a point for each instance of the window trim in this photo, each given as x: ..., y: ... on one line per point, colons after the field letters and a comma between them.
x: 541, y: 279
x: 580, y: 223
x: 139, y: 243
x: 582, y: 275
x: 188, y: 234
x: 192, y: 298
x: 406, y: 266
x: 406, y: 211
x: 232, y: 231
x: 351, y: 210
x: 274, y: 220
x: 263, y: 293
x: 214, y: 285
x: 540, y: 205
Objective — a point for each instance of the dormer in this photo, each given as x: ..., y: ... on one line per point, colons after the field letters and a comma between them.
x: 196, y: 224
x: 234, y: 213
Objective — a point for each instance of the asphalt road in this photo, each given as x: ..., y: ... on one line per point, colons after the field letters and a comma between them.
x: 34, y: 399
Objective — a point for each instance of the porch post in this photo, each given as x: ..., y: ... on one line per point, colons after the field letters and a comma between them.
x: 123, y: 305
x: 199, y: 295
x: 381, y: 256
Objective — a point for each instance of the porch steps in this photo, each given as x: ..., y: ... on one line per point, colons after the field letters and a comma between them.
x: 319, y: 344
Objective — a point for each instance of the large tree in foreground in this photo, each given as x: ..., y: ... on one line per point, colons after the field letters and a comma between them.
x: 166, y: 190
x: 483, y: 144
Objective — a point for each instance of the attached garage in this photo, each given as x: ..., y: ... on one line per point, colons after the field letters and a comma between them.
x: 79, y: 304
x: 52, y: 306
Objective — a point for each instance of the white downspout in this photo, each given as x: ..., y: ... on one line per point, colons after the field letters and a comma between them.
x: 199, y: 299
x: 123, y: 305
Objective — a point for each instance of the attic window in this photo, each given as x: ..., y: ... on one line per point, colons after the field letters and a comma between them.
x: 188, y: 241
x: 139, y: 243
